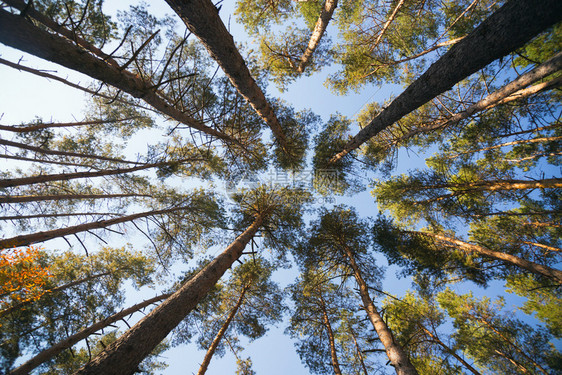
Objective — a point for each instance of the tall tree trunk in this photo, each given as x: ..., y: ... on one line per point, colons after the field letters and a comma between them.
x: 436, y: 339
x: 509, y: 342
x: 509, y: 28
x: 396, y: 354
x: 202, y: 18
x: 59, y: 197
x: 33, y: 127
x: 221, y: 332
x: 386, y: 25
x: 28, y: 9
x: 317, y: 33
x: 535, y: 268
x: 505, y: 144
x: 49, y: 353
x: 29, y: 239
x: 124, y: 355
x: 512, y: 91
x: 358, y: 350
x: 496, y: 185
x: 17, y: 32
x: 331, y: 340
x: 10, y: 182
x: 45, y: 151
x: 39, y: 216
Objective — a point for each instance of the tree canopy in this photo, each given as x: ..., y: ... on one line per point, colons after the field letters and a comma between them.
x: 200, y: 201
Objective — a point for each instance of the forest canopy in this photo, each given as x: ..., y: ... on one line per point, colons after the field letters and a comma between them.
x: 205, y: 198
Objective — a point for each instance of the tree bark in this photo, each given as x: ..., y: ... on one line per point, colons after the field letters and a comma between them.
x: 33, y: 127
x: 10, y: 182
x: 396, y: 355
x: 505, y: 144
x: 17, y: 32
x: 436, y: 339
x: 331, y: 340
x: 124, y: 355
x: 532, y: 267
x: 220, y: 333
x: 28, y: 239
x: 359, y: 352
x: 317, y: 33
x: 45, y: 151
x: 40, y: 216
x: 49, y: 353
x: 495, y: 185
x: 509, y: 28
x: 514, y: 90
x: 509, y: 342
x: 387, y: 24
x: 202, y: 19
x: 59, y: 197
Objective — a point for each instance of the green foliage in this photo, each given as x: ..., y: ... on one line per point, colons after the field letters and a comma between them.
x: 543, y: 300
x: 333, y: 178
x: 70, y: 307
x: 496, y: 341
x: 297, y: 128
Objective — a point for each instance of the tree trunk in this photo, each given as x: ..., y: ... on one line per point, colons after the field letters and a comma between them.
x: 495, y: 185
x: 17, y: 32
x: 451, y: 351
x: 317, y: 33
x: 69, y: 154
x: 535, y: 268
x: 29, y: 239
x: 359, y: 352
x: 509, y: 28
x: 40, y: 216
x: 331, y: 340
x: 505, y: 144
x: 10, y: 182
x: 202, y: 19
x: 396, y: 355
x: 59, y: 197
x: 220, y: 334
x: 509, y: 342
x: 49, y: 353
x: 386, y: 25
x: 512, y: 91
x: 124, y: 355
x: 33, y: 127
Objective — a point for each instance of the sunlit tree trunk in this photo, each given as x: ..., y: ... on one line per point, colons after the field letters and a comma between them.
x: 49, y: 353
x: 70, y: 154
x: 124, y: 355
x: 509, y: 28
x: 331, y: 339
x: 28, y: 239
x: 512, y: 91
x: 60, y: 197
x: 202, y: 19
x: 220, y: 333
x: 17, y: 32
x: 397, y: 356
x: 535, y: 268
x: 317, y: 33
x: 10, y: 182
x: 437, y: 340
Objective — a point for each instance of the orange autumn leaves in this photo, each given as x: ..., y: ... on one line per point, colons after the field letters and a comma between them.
x: 22, y: 277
